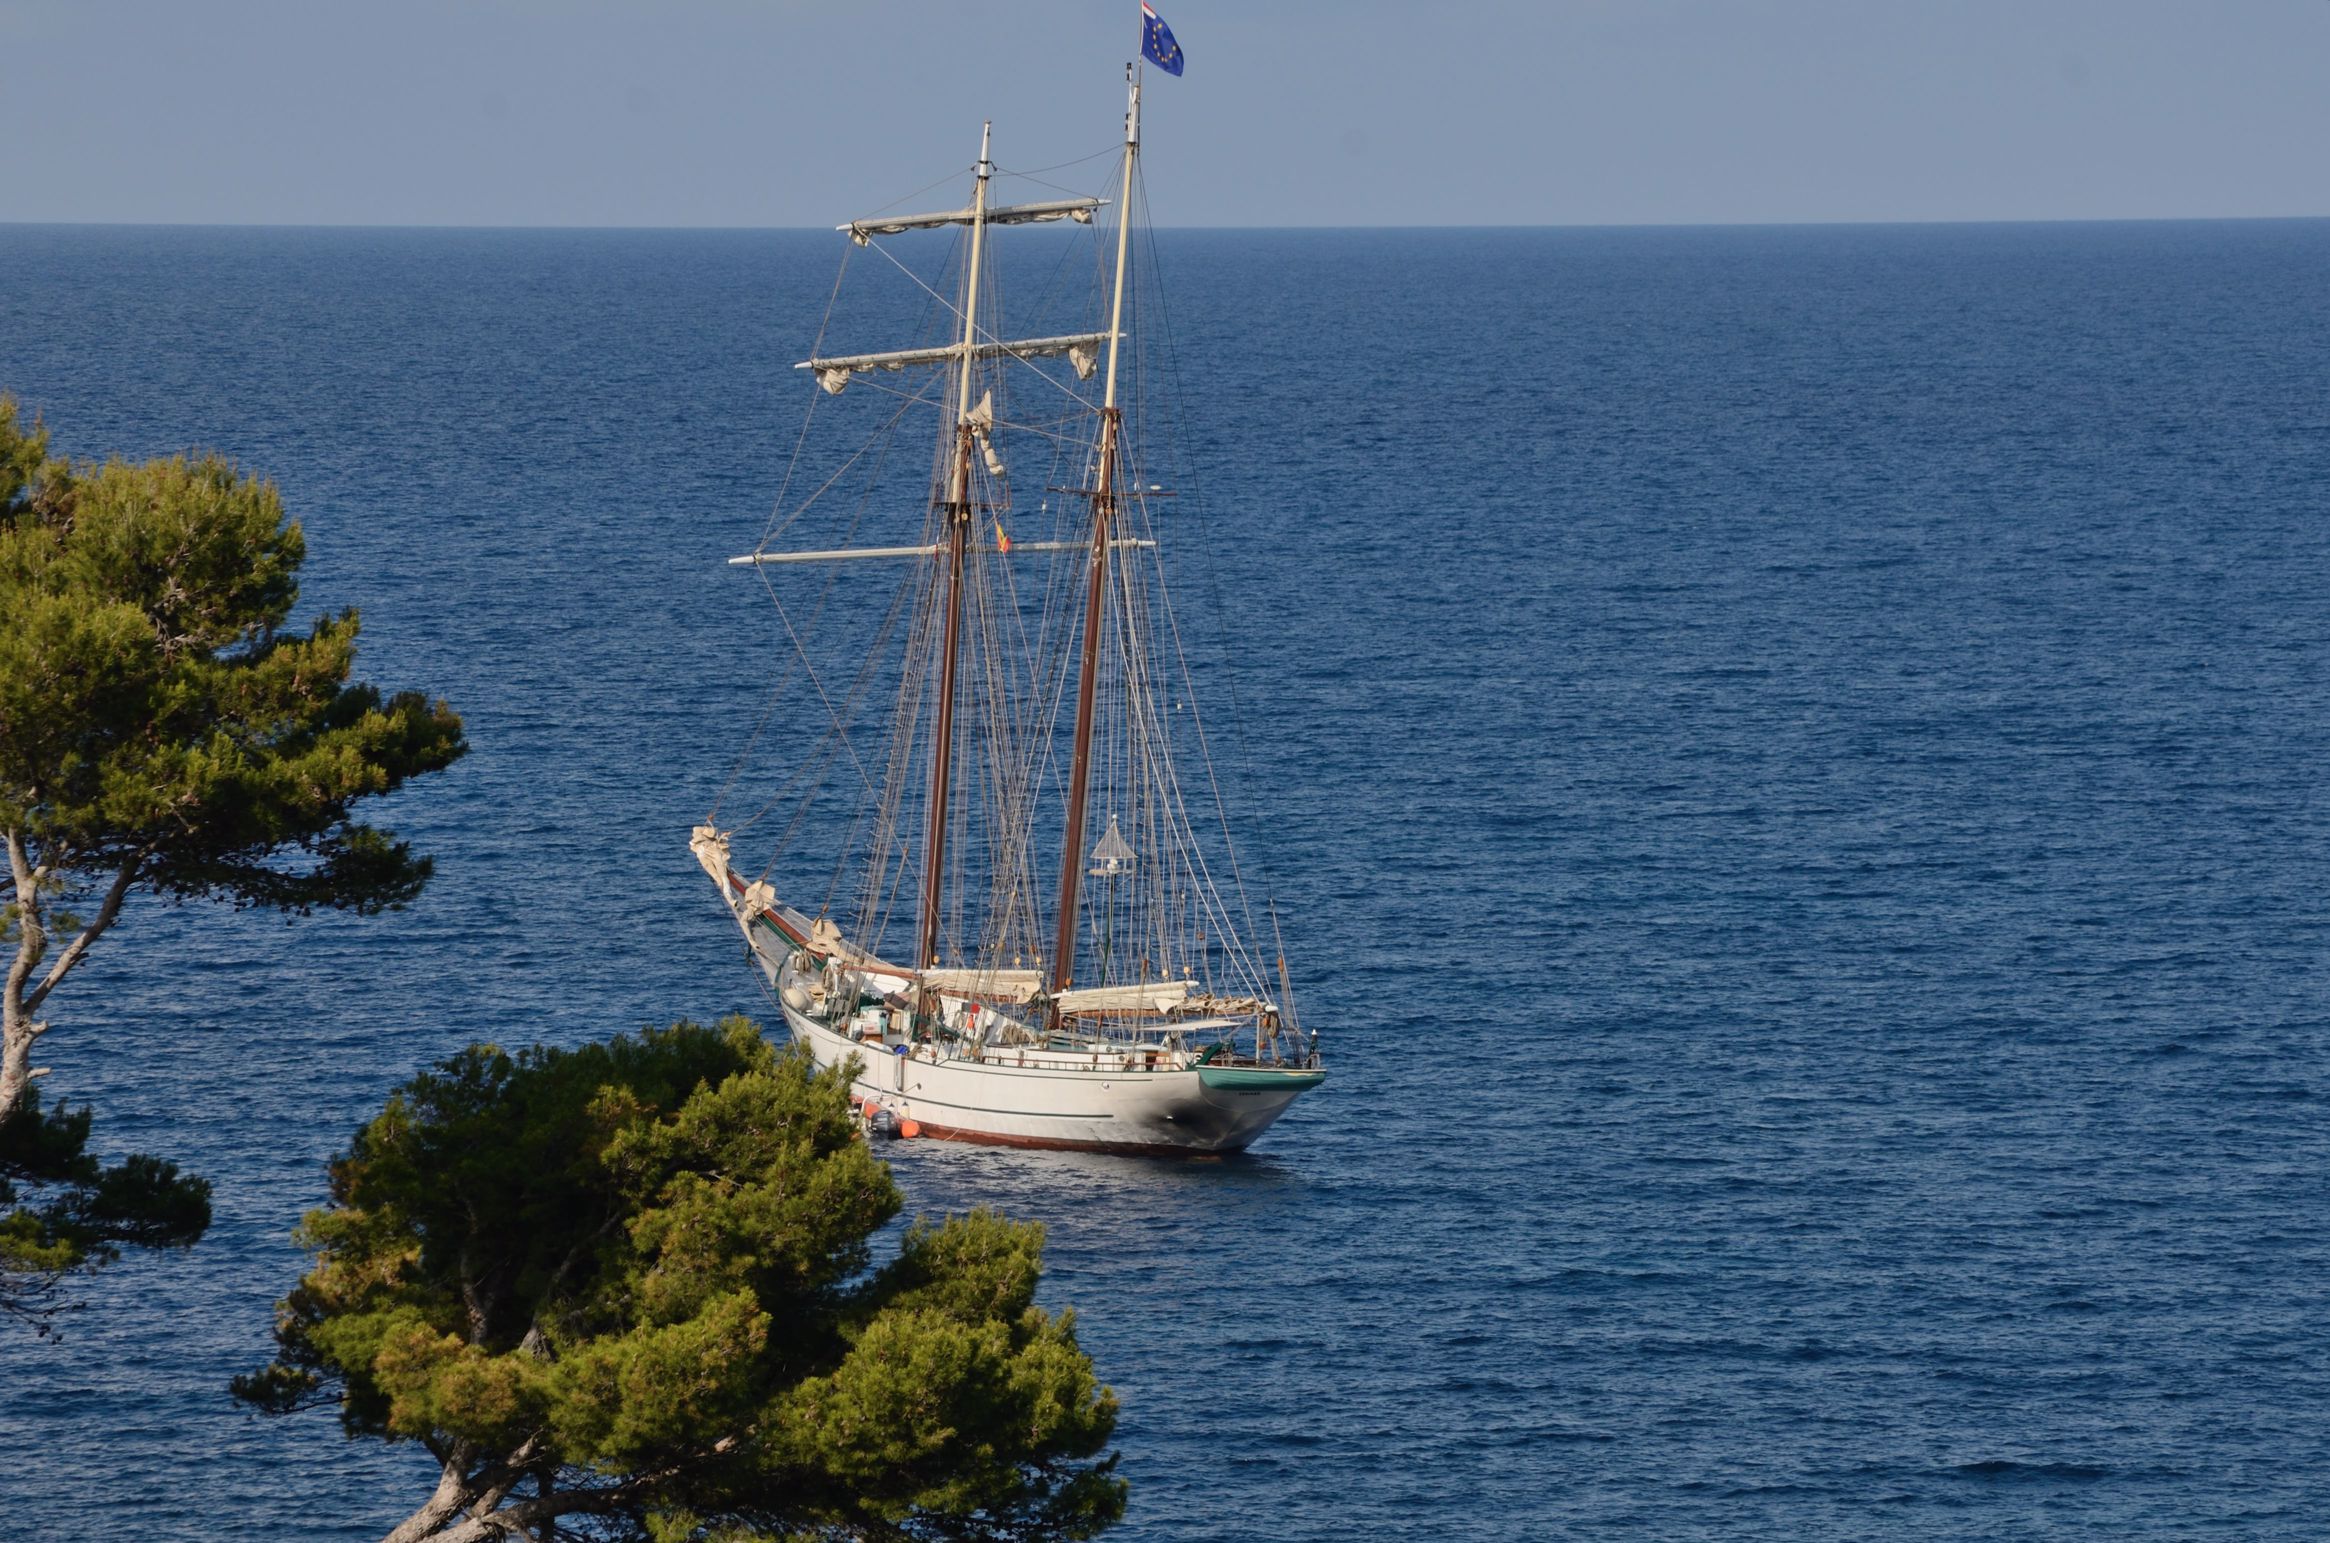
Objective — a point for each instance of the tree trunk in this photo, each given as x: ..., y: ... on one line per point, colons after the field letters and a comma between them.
x: 16, y: 1056
x: 17, y: 1028
x: 482, y: 1493
x: 19, y: 998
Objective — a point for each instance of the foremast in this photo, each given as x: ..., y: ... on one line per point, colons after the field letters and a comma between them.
x: 1096, y: 589
x: 955, y: 508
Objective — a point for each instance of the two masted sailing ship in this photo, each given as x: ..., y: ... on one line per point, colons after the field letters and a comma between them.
x: 995, y: 900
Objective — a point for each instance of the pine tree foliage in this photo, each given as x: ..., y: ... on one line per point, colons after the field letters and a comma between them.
x: 163, y: 731
x: 62, y: 1211
x: 628, y: 1291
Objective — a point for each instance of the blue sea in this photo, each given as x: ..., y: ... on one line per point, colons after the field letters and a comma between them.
x: 1794, y: 763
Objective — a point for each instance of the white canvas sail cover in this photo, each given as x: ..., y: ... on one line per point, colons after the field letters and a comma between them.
x: 1016, y: 985
x: 1077, y: 209
x: 833, y: 374
x: 710, y: 844
x: 1156, y: 996
x: 982, y: 421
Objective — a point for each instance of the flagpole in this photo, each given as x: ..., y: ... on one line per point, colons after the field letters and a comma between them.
x: 1134, y: 73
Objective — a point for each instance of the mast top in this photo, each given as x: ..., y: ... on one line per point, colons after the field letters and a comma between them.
x: 970, y: 343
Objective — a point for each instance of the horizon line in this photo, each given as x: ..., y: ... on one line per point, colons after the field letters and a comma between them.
x: 1803, y: 224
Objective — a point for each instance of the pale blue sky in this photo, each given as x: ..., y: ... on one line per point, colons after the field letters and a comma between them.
x: 1364, y: 112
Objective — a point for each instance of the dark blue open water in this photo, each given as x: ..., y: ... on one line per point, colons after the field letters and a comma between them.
x: 1795, y: 765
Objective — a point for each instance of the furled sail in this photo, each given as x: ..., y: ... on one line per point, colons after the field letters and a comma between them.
x: 834, y: 374
x: 983, y: 425
x: 1077, y: 209
x: 1016, y: 985
x: 1153, y: 996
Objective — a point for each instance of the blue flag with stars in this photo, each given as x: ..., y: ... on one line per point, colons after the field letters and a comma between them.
x: 1157, y: 41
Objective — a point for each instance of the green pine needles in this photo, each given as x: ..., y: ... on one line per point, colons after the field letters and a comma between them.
x: 627, y: 1291
x: 163, y: 733
x: 62, y: 1212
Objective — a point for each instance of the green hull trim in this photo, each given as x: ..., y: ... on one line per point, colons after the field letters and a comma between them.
x: 1257, y: 1079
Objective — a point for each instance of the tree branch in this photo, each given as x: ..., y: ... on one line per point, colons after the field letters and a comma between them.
x: 458, y: 1490
x: 106, y: 912
x: 493, y: 1486
x: 520, y: 1520
x: 452, y: 1493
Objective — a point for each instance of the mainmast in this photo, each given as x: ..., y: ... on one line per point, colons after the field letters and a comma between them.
x: 1096, y: 589
x: 956, y: 506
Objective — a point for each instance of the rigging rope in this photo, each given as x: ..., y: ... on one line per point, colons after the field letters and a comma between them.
x: 1011, y: 720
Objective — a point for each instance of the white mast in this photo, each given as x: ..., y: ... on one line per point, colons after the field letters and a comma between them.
x: 1124, y: 226
x: 971, y: 290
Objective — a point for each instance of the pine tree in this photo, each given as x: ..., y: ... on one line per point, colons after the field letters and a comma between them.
x: 161, y: 732
x: 626, y: 1291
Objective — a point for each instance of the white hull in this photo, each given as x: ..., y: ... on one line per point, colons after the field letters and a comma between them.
x: 1128, y: 1096
x: 1037, y: 1098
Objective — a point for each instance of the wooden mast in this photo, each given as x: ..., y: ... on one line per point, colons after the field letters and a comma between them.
x: 1096, y: 589
x: 956, y: 506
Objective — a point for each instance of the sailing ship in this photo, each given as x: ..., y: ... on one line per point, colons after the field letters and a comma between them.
x: 999, y: 692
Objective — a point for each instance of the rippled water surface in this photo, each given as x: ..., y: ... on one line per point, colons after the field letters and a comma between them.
x: 1794, y: 761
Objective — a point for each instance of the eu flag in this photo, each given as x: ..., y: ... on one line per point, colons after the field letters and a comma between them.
x: 1157, y: 41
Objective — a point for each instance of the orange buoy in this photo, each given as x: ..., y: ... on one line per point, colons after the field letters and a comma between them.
x: 909, y: 1128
